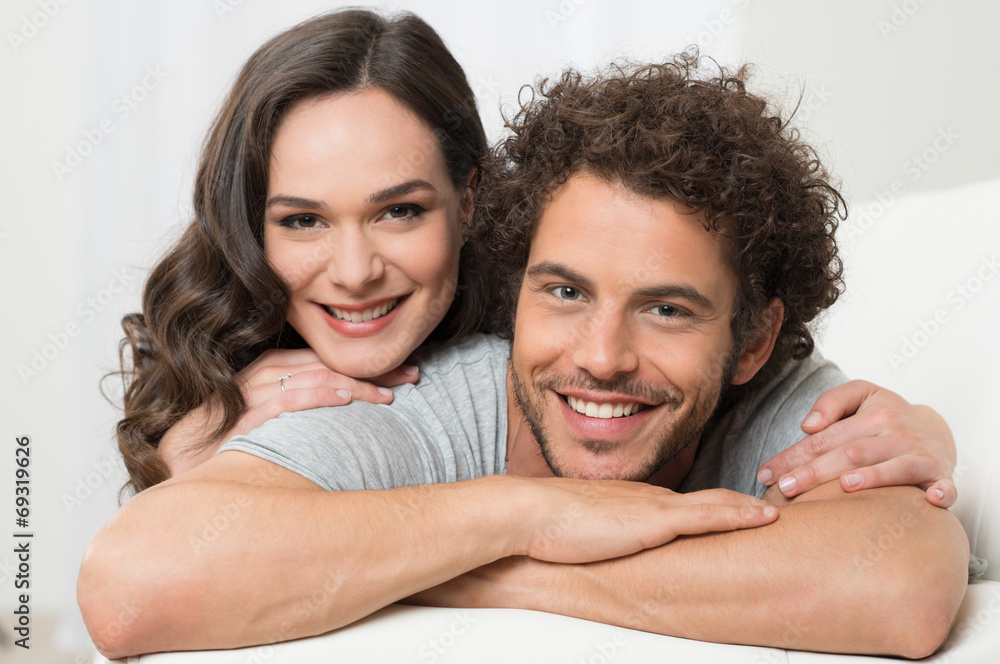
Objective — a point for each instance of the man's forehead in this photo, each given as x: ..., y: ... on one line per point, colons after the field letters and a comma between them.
x: 591, y: 222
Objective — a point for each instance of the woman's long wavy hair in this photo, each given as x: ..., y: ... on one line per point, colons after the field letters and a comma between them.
x: 213, y: 304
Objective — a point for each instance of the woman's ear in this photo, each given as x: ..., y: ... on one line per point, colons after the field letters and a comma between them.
x: 468, y: 194
x: 756, y: 354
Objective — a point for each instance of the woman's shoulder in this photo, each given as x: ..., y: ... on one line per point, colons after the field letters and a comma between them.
x: 476, y: 353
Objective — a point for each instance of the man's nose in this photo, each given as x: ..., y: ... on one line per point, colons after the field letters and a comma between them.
x: 355, y: 260
x: 605, y: 347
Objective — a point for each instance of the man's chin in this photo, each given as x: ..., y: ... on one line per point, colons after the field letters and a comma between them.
x: 584, y: 465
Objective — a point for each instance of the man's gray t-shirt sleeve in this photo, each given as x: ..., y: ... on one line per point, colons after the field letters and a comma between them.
x: 450, y: 426
x: 759, y: 426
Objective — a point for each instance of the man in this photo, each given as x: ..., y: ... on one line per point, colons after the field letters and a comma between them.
x: 667, y: 246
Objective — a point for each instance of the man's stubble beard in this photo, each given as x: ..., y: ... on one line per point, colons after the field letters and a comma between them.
x: 670, y: 443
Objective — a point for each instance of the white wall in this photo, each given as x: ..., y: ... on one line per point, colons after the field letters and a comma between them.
x: 74, y: 245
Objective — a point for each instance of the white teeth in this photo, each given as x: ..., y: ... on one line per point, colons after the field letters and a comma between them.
x: 363, y: 316
x: 603, y: 411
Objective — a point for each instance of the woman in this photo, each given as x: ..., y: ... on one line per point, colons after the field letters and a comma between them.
x: 329, y: 205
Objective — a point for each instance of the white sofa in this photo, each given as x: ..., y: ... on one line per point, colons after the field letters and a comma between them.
x: 906, y: 264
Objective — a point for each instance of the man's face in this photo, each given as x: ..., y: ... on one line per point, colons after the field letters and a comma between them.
x: 622, y: 342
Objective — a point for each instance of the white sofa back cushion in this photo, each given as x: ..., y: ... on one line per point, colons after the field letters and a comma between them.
x: 921, y: 316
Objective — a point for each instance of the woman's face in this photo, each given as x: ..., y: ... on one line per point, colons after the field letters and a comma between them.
x: 363, y: 225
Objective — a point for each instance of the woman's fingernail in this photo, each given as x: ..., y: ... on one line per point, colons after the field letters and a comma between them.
x: 812, y: 419
x: 787, y: 485
x: 411, y: 371
x: 344, y: 394
x: 853, y: 479
x: 770, y: 511
x: 764, y: 475
x: 938, y: 493
x: 385, y: 391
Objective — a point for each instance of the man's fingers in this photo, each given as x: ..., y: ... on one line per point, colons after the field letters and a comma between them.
x: 709, y: 518
x: 837, y: 403
x: 717, y: 497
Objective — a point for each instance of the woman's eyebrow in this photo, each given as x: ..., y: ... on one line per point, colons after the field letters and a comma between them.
x: 377, y: 197
x: 399, y: 190
x: 294, y: 201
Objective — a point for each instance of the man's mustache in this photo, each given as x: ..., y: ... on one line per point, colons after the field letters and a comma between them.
x: 626, y: 385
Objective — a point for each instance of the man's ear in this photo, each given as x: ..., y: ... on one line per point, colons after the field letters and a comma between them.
x: 756, y: 354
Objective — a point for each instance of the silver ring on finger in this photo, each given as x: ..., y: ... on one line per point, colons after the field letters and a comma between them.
x: 281, y: 381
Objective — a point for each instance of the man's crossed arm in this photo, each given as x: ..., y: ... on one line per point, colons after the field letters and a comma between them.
x: 875, y: 572
x: 239, y: 552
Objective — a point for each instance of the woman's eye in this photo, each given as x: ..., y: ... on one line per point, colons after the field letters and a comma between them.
x: 302, y: 222
x: 566, y: 293
x: 403, y: 212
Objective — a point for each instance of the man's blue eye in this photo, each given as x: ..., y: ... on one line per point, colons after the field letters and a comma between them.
x: 567, y: 293
x: 666, y: 311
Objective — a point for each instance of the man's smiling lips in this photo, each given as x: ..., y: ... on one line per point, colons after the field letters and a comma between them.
x: 594, y: 415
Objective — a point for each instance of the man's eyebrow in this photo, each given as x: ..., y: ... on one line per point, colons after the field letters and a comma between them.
x: 399, y: 190
x: 558, y: 270
x: 685, y: 291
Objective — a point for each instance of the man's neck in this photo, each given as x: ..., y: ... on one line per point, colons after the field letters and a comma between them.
x: 524, y: 456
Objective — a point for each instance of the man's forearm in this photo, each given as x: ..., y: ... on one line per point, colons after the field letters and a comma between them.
x: 880, y: 571
x: 238, y: 551
x: 214, y: 564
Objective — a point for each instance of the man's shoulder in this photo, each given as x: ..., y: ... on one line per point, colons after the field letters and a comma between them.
x: 812, y: 375
x: 759, y: 425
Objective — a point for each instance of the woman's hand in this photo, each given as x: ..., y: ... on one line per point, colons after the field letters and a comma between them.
x: 279, y: 381
x: 869, y: 437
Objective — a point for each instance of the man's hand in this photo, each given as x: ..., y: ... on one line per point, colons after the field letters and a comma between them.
x: 869, y: 437
x: 580, y: 521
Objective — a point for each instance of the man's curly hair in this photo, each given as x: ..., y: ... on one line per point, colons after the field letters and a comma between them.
x: 706, y: 143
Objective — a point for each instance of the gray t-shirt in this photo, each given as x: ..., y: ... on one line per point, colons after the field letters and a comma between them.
x: 452, y: 425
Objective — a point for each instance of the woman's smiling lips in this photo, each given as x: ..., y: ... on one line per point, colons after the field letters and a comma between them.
x: 362, y: 320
